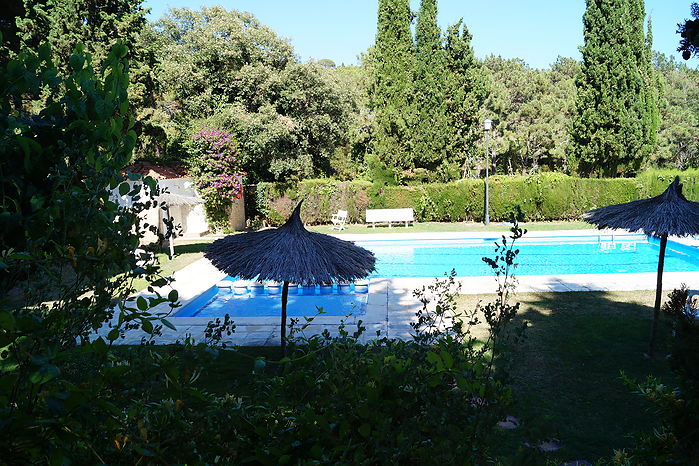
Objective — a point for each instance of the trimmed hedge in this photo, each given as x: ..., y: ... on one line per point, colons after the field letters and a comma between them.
x: 546, y: 196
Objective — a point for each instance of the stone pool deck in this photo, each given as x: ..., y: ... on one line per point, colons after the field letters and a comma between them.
x: 391, y: 305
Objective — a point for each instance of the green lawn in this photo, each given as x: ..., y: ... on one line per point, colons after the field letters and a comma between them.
x: 432, y: 227
x: 566, y: 373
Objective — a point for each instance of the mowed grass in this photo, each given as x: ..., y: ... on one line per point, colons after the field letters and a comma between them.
x: 567, y: 373
x: 434, y: 227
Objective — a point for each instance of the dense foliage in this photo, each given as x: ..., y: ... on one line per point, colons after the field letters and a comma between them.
x: 689, y: 31
x: 393, y: 86
x: 66, y: 270
x: 223, y: 69
x: 410, y: 112
x: 427, y: 94
x: 616, y: 120
x: 214, y: 165
x: 64, y: 238
x: 546, y: 196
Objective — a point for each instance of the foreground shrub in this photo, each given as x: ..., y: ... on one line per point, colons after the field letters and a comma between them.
x: 64, y: 239
x: 676, y: 441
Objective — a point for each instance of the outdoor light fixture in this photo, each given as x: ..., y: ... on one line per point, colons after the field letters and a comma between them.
x: 486, y: 127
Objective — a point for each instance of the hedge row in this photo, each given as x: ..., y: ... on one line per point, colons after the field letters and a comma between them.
x: 546, y: 196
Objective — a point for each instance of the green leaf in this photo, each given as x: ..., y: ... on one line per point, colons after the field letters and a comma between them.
x: 124, y: 189
x: 7, y: 321
x: 113, y: 334
x: 19, y: 256
x: 44, y: 374
x: 147, y: 326
x: 159, y: 282
x: 173, y: 296
x: 100, y: 346
x: 434, y: 358
x: 168, y: 324
x: 141, y: 303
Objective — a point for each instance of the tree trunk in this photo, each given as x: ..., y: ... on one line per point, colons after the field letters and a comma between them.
x: 658, y: 295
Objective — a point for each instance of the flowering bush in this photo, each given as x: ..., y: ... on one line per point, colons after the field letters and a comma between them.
x: 214, y: 165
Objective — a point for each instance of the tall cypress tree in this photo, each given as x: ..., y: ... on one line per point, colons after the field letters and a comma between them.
x: 466, y: 91
x: 431, y: 134
x: 392, y: 89
x: 653, y: 89
x: 610, y: 133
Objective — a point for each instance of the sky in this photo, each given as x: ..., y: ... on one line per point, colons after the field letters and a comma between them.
x: 538, y: 31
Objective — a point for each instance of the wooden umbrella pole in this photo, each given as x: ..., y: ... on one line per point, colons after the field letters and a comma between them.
x: 285, y: 295
x: 658, y: 295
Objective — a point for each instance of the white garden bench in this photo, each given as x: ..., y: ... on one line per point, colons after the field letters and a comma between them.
x: 389, y: 216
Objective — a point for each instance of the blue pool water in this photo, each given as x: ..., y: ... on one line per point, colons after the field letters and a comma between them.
x: 537, y: 256
x: 433, y: 257
x: 217, y: 302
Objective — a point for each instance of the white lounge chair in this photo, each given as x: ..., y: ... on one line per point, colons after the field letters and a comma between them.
x: 339, y: 220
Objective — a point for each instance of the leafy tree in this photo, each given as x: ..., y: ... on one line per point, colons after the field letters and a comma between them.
x: 327, y: 63
x: 225, y: 70
x: 349, y: 161
x: 97, y: 24
x: 689, y: 31
x: 392, y: 91
x: 678, y: 140
x: 612, y: 132
x: 531, y: 110
x: 8, y: 28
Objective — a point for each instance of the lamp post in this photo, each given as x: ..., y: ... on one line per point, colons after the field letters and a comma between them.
x: 486, y: 128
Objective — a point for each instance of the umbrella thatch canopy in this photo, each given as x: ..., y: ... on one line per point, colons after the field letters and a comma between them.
x: 290, y: 253
x: 670, y: 213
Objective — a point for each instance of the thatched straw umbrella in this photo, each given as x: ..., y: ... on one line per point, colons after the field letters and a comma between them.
x: 670, y: 213
x: 287, y: 254
x: 170, y: 200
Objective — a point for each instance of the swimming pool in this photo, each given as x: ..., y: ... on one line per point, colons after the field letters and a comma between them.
x: 395, y: 258
x: 553, y: 255
x: 302, y: 301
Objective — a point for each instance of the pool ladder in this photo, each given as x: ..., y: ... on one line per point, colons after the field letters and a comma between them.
x: 605, y: 238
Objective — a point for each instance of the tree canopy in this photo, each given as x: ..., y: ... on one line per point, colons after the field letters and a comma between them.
x: 615, y: 125
x: 224, y: 69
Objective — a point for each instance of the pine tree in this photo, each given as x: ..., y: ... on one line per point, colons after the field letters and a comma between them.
x: 393, y: 87
x: 612, y: 131
x: 431, y: 133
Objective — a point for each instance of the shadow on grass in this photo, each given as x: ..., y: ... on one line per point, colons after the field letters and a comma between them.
x: 566, y: 373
